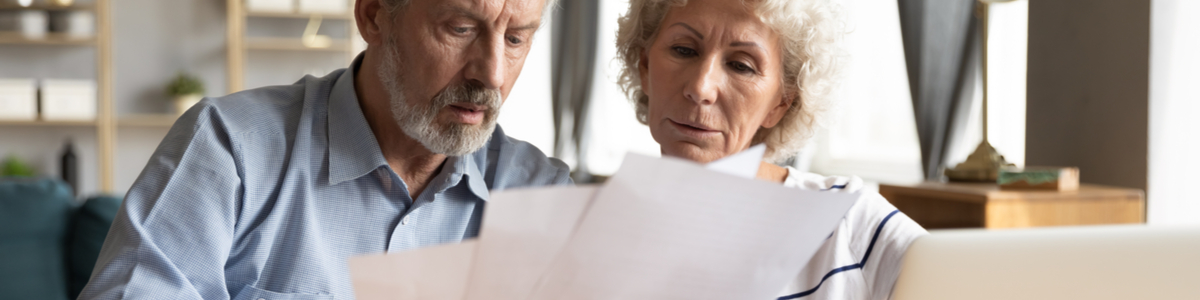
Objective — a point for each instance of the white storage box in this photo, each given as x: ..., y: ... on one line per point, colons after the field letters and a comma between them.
x: 285, y: 6
x: 33, y: 23
x: 18, y: 99
x: 77, y: 24
x: 324, y: 6
x: 68, y: 100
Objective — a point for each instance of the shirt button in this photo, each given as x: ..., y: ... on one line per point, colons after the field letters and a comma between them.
x: 262, y: 299
x: 404, y: 221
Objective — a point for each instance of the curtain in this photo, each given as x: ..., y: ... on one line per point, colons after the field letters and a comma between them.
x: 574, y: 55
x: 940, y: 48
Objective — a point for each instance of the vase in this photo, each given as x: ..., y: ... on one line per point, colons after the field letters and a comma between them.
x: 184, y: 102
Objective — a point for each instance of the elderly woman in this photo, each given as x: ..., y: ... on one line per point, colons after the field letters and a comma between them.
x: 713, y: 77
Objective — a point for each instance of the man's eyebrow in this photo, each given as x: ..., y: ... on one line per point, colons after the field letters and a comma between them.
x: 459, y: 10
x: 693, y: 30
x: 528, y: 26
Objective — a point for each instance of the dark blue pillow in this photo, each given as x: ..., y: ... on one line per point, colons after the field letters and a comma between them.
x: 89, y: 226
x: 33, y: 224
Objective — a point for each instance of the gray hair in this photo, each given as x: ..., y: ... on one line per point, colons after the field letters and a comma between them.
x: 392, y: 5
x: 809, y: 33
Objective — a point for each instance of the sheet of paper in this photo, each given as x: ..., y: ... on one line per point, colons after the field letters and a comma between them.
x: 521, y: 233
x: 669, y: 229
x: 438, y: 272
x: 743, y: 164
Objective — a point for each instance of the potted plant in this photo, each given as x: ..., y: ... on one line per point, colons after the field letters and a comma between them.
x: 186, y: 90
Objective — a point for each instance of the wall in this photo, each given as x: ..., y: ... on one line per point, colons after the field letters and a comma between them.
x: 1174, y: 107
x: 1088, y: 100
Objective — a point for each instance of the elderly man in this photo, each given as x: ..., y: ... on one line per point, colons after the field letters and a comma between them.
x: 265, y: 193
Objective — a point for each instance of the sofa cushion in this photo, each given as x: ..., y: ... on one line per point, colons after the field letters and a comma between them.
x: 33, y: 223
x: 89, y: 226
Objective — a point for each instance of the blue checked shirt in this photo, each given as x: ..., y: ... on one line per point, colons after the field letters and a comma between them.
x: 264, y: 194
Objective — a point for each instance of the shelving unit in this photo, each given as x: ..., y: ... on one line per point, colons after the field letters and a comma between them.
x: 148, y: 120
x: 104, y: 123
x: 238, y: 43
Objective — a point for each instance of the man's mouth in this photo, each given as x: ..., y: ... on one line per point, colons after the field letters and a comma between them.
x: 471, y: 114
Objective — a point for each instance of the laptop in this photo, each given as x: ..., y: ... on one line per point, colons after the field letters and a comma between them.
x: 1093, y: 262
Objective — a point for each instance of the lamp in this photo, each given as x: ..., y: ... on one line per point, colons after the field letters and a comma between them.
x: 985, y: 163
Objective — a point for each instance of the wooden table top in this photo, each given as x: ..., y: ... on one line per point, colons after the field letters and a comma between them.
x: 983, y: 192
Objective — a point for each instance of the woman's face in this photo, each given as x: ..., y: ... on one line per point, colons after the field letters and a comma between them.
x: 714, y: 77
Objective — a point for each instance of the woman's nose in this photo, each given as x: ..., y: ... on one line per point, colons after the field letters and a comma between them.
x: 704, y: 84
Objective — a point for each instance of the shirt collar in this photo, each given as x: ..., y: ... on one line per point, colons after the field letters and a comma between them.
x: 354, y: 151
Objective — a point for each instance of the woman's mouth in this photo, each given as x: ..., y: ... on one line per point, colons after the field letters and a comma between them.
x: 695, y: 130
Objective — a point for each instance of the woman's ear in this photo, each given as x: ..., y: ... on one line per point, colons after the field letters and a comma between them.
x: 368, y: 15
x: 781, y: 108
x: 644, y: 69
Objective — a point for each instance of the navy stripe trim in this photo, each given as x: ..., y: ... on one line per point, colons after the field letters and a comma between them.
x: 859, y: 265
x: 835, y: 187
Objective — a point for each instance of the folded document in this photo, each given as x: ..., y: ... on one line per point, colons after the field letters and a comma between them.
x: 661, y: 228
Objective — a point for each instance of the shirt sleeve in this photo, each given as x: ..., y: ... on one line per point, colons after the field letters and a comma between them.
x: 172, y: 236
x: 885, y: 233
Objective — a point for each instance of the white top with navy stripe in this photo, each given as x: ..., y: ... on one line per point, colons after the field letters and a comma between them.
x: 861, y: 259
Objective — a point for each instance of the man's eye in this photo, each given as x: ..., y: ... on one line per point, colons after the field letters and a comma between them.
x: 514, y: 40
x: 684, y: 51
x: 462, y: 30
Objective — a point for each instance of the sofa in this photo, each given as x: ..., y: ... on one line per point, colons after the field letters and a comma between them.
x: 48, y: 241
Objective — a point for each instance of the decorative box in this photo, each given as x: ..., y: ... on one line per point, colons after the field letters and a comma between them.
x: 68, y: 100
x: 1039, y: 178
x: 75, y: 23
x: 324, y: 6
x: 18, y: 99
x: 285, y: 6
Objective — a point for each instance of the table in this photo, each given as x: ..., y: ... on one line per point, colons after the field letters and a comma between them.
x: 939, y: 205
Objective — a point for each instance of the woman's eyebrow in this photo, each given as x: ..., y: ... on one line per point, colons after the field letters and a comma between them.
x: 744, y: 44
x: 693, y: 30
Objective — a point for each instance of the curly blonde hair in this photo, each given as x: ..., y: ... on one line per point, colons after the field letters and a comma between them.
x: 809, y: 32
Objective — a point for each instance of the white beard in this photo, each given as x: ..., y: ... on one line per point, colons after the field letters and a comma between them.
x: 419, y: 122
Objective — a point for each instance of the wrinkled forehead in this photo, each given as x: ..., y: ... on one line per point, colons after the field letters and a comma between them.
x: 728, y: 19
x: 500, y: 12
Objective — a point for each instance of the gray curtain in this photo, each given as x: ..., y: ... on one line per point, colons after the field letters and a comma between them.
x: 574, y: 56
x: 941, y: 50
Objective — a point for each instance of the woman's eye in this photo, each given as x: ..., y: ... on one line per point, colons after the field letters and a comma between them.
x: 462, y: 30
x: 684, y: 51
x: 741, y: 67
x: 514, y: 40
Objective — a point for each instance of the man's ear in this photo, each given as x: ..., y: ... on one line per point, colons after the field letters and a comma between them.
x: 776, y: 113
x: 368, y: 15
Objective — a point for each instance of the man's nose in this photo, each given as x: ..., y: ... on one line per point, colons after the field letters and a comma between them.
x: 703, y: 87
x: 487, y: 63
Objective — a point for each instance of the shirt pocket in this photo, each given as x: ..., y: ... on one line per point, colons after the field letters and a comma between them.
x: 252, y: 293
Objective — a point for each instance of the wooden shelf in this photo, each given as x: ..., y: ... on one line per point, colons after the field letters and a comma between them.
x: 148, y: 120
x: 51, y: 39
x: 11, y: 5
x: 47, y: 123
x: 298, y: 15
x: 293, y: 44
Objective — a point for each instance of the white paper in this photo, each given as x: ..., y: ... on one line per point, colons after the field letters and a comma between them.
x: 522, y: 232
x: 658, y: 229
x: 666, y: 229
x: 438, y: 272
x: 743, y: 164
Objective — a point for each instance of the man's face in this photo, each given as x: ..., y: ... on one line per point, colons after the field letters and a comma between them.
x: 448, y: 65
